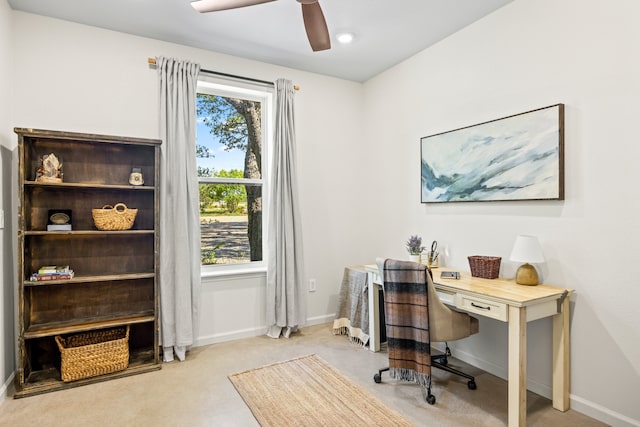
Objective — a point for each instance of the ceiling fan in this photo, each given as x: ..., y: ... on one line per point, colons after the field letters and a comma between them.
x: 314, y: 21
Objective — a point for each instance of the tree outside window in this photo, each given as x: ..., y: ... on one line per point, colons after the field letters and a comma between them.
x: 230, y: 196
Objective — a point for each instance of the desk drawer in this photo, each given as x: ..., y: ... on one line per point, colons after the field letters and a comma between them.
x: 447, y: 297
x: 483, y: 307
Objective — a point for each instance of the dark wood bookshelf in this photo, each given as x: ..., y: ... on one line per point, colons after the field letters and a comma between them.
x: 115, y: 281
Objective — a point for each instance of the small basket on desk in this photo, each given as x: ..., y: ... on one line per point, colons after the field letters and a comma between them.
x: 93, y: 353
x: 114, y: 218
x: 487, y: 267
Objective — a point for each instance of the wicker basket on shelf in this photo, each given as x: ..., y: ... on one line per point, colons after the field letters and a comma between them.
x: 113, y: 218
x: 487, y: 267
x: 93, y: 353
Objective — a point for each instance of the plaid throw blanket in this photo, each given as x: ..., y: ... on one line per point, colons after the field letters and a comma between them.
x: 407, y: 318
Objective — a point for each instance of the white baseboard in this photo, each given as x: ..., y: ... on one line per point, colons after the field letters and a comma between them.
x: 319, y: 320
x: 5, y: 387
x: 576, y: 403
x: 230, y: 336
x: 601, y: 413
x: 501, y: 372
x: 253, y: 332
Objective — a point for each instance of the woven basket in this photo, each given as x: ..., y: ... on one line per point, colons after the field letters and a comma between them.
x: 487, y: 267
x: 111, y: 218
x: 94, y: 353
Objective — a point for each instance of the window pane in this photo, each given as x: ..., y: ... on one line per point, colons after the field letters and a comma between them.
x: 229, y: 145
x: 224, y: 224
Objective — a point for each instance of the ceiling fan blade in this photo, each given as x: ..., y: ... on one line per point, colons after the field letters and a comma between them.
x: 203, y: 6
x: 316, y: 26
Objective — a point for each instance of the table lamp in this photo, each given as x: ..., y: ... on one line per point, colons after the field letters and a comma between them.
x: 527, y: 249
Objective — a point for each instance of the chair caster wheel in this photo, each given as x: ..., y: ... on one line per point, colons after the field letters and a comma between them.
x: 431, y: 399
x: 471, y: 384
x: 377, y: 378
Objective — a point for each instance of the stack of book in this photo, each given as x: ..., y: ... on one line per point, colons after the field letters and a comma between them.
x: 52, y: 272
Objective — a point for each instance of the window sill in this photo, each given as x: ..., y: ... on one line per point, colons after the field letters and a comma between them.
x: 233, y: 272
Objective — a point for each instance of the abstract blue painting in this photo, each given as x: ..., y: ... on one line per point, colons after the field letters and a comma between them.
x: 520, y: 157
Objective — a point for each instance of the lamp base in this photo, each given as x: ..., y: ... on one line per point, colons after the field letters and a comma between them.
x: 527, y: 275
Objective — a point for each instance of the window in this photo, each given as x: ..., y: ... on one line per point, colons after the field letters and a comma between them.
x: 232, y: 135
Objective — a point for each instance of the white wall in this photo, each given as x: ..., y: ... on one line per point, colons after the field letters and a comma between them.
x: 78, y: 78
x: 7, y: 337
x: 524, y: 56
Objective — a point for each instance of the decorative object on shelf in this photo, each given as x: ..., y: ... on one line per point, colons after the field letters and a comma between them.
x: 432, y: 256
x: 135, y: 178
x: 415, y: 248
x: 520, y: 157
x: 49, y: 170
x: 93, y: 353
x: 527, y: 249
x: 487, y: 267
x: 59, y: 220
x: 114, y: 218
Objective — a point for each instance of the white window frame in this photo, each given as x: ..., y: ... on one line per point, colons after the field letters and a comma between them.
x: 231, y: 88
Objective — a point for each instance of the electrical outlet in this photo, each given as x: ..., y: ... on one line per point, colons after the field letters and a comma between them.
x: 312, y: 285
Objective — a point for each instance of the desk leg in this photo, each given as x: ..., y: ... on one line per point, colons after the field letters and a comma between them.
x: 374, y: 324
x: 517, y: 366
x: 561, y: 358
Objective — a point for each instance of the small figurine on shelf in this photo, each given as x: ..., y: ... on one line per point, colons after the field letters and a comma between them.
x: 50, y: 169
x: 135, y: 178
x: 59, y: 220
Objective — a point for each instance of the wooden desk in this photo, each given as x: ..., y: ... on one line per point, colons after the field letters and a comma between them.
x: 504, y: 300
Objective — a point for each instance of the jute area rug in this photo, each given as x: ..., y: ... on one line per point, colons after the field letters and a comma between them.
x: 307, y: 391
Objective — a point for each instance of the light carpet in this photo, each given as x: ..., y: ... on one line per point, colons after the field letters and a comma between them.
x: 307, y: 391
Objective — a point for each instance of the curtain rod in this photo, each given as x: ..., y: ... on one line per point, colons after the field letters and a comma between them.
x: 152, y: 61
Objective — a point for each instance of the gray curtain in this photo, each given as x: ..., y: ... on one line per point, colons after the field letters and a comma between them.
x: 286, y: 293
x: 179, y: 211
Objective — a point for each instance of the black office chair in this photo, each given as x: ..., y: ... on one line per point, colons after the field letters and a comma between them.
x: 409, y: 289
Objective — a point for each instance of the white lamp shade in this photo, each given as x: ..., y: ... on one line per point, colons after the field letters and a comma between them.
x: 527, y: 249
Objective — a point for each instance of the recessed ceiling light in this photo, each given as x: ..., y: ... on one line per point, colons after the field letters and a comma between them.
x: 345, y: 37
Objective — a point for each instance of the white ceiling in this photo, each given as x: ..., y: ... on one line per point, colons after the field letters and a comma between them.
x: 387, y: 31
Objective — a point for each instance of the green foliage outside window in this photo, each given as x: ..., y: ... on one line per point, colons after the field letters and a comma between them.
x: 227, y: 197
